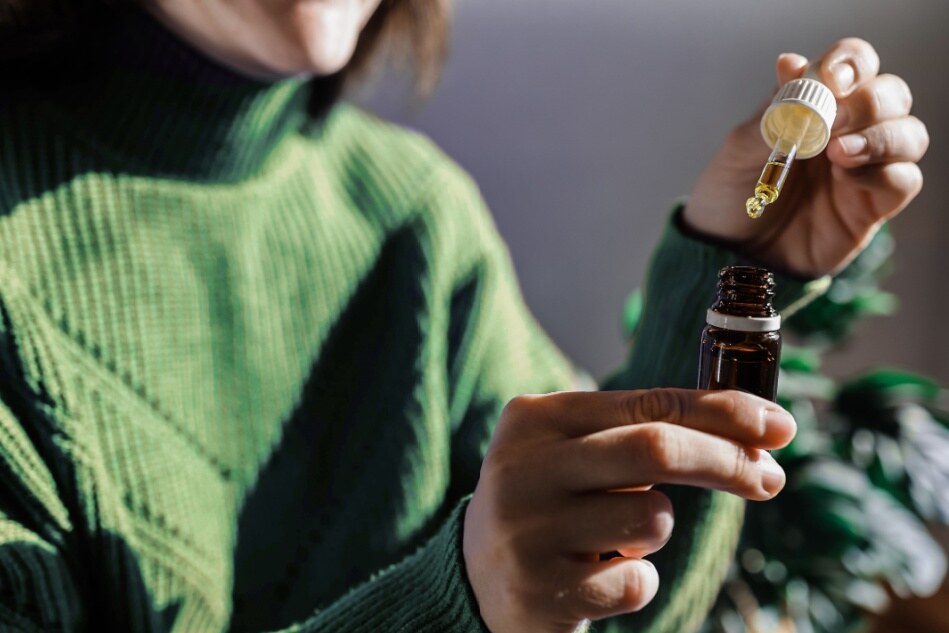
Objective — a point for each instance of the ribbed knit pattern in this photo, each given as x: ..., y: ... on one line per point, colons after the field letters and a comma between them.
x: 249, y: 363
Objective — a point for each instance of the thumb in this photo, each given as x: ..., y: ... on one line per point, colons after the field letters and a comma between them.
x: 790, y: 66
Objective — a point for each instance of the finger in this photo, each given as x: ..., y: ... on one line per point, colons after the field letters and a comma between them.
x: 847, y: 64
x: 608, y: 521
x: 889, y: 187
x: 657, y: 453
x: 882, y: 98
x: 737, y: 415
x: 893, y: 141
x: 608, y: 588
x: 790, y: 66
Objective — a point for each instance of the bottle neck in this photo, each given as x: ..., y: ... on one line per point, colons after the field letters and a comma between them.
x: 744, y: 300
x: 745, y: 291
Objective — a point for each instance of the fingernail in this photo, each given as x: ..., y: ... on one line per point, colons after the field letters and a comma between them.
x: 779, y: 420
x: 843, y: 76
x: 772, y: 475
x: 853, y: 144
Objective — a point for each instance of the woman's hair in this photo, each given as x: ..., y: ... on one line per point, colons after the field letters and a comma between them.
x: 413, y: 32
x: 416, y: 31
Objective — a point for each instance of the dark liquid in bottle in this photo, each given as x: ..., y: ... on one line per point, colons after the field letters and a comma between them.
x: 747, y: 361
x: 733, y: 358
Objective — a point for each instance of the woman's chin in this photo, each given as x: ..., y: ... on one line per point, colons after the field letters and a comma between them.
x: 313, y: 58
x: 268, y: 41
x: 326, y: 34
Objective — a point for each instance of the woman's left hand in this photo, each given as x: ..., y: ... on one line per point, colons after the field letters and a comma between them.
x: 834, y: 203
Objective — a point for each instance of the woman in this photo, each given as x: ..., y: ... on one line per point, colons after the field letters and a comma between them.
x: 256, y: 342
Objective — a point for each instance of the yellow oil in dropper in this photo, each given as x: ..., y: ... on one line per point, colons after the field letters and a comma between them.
x: 768, y: 188
x: 796, y: 125
x: 797, y: 119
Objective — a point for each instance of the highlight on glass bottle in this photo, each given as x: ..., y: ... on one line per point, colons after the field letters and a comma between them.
x: 741, y: 345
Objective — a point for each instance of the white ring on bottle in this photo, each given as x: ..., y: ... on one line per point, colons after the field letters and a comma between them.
x: 743, y: 323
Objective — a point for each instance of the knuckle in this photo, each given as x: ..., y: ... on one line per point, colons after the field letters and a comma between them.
x: 659, y: 523
x: 875, y: 100
x: 742, y: 472
x: 904, y: 178
x: 902, y: 91
x: 518, y: 415
x: 517, y: 407
x: 502, y: 463
x: 890, y: 139
x: 862, y: 50
x: 659, y: 447
x: 502, y: 473
x: 597, y: 597
x: 855, y: 43
x: 729, y: 404
x: 655, y: 405
x: 637, y: 591
x: 626, y: 588
x: 882, y: 140
x: 887, y: 97
x: 740, y: 412
x: 856, y: 52
x: 618, y: 593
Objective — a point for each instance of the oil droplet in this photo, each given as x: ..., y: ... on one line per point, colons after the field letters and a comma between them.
x: 755, y: 206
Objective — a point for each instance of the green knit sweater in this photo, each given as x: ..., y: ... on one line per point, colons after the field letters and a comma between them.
x: 250, y: 361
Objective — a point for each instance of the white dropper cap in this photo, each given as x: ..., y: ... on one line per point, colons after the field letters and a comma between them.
x: 803, y: 108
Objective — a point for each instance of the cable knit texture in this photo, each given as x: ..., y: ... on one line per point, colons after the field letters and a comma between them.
x: 250, y: 361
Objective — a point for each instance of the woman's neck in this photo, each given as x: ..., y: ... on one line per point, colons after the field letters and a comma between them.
x: 214, y: 39
x: 157, y: 105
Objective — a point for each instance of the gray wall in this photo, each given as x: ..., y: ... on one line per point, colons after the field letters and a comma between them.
x: 582, y: 121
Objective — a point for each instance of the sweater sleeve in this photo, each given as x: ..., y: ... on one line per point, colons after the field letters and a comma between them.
x: 496, y: 350
x: 40, y: 586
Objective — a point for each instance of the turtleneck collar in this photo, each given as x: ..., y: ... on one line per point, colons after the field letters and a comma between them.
x: 155, y: 105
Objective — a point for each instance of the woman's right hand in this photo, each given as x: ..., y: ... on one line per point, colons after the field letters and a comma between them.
x: 568, y: 476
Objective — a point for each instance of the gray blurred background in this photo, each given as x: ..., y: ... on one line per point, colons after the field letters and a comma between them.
x: 582, y: 122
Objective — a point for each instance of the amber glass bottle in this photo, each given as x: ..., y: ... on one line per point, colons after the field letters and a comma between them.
x: 741, y: 345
